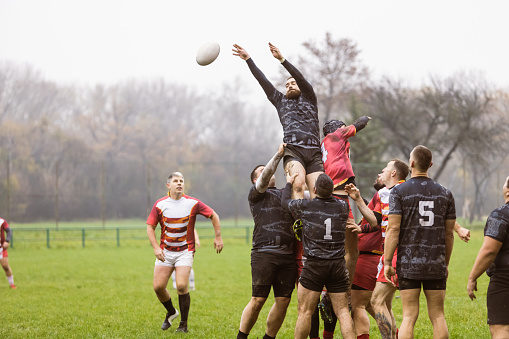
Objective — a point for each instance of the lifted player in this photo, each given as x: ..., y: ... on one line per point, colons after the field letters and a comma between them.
x: 298, y: 114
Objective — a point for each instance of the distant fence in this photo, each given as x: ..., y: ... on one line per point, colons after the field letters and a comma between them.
x: 110, y: 235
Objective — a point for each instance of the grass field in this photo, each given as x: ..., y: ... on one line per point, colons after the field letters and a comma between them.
x: 105, y: 291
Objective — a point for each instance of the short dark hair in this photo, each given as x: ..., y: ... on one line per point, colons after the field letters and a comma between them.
x: 253, y: 172
x: 331, y: 126
x: 422, y: 158
x: 324, y: 186
x: 507, y: 183
x: 402, y: 168
x: 174, y: 174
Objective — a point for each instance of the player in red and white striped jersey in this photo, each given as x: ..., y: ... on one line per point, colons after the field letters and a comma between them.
x: 176, y: 214
x: 5, y: 238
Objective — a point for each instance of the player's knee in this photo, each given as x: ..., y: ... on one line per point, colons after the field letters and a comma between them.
x: 299, y: 184
x: 258, y: 302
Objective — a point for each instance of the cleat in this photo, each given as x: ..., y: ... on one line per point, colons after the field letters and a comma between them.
x: 13, y: 287
x: 168, y: 319
x: 182, y: 327
x: 325, y: 307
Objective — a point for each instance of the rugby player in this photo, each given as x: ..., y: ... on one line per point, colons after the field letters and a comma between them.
x: 493, y: 258
x: 422, y: 216
x: 273, y: 263
x: 298, y: 114
x: 176, y: 213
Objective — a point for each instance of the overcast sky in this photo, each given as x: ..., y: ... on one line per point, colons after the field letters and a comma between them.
x: 106, y: 41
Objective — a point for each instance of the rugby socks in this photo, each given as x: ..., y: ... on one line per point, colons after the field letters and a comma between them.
x: 184, y: 304
x: 169, y: 307
x: 242, y: 335
x: 266, y: 336
x: 10, y: 279
x: 362, y: 336
x: 328, y: 335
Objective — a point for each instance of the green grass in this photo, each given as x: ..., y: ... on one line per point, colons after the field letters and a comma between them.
x: 105, y: 291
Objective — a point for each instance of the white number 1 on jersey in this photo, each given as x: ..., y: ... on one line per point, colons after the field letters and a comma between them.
x: 328, y: 229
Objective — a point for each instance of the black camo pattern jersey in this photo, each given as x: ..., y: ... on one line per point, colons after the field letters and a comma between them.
x: 299, y: 117
x: 323, y: 224
x: 273, y: 225
x: 497, y: 227
x: 424, y: 205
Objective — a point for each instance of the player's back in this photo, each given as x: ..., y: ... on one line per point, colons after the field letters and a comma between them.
x: 424, y: 206
x: 324, y: 225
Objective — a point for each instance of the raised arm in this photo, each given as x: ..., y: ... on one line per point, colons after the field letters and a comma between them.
x: 361, y: 122
x: 287, y: 192
x: 355, y: 194
x: 267, y: 86
x: 263, y: 181
x: 304, y: 86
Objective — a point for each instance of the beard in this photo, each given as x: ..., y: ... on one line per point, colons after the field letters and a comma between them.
x: 293, y: 94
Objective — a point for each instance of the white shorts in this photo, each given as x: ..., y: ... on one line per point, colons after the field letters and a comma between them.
x: 174, y: 259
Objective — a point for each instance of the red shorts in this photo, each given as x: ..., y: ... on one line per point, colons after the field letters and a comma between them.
x: 381, y: 276
x: 366, y: 271
x: 3, y: 253
x: 345, y: 198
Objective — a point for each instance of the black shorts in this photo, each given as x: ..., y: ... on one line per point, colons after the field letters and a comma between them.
x: 318, y: 273
x: 427, y: 285
x: 271, y: 269
x: 310, y: 158
x: 498, y: 299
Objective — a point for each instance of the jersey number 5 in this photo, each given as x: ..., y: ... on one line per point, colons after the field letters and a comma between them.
x: 426, y: 212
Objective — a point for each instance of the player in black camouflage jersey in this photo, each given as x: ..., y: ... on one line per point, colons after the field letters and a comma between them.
x: 422, y: 216
x: 298, y: 114
x: 272, y: 256
x: 323, y: 237
x: 493, y: 258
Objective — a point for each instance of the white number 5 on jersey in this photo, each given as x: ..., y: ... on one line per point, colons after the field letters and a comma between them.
x: 426, y: 212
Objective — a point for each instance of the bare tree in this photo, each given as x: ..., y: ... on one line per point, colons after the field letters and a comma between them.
x: 334, y: 68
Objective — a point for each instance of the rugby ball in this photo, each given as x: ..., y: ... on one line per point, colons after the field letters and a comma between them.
x: 207, y: 53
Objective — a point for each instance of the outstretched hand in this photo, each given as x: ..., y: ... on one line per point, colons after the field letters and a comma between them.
x: 240, y: 52
x: 352, y: 191
x: 275, y: 52
x: 281, y: 149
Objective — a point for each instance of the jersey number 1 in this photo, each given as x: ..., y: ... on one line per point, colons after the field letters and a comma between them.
x: 328, y: 229
x: 425, y: 211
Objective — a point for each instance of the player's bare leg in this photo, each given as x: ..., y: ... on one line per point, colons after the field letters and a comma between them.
x: 382, y: 294
x: 277, y: 315
x: 360, y: 300
x: 340, y: 306
x: 351, y: 251
x: 307, y: 301
x: 310, y: 182
x: 499, y: 331
x: 161, y: 276
x: 299, y: 183
x: 8, y: 272
x: 410, y: 303
x: 250, y: 314
x: 435, y: 300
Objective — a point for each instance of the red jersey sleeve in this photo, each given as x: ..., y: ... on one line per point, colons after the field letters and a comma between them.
x: 155, y: 216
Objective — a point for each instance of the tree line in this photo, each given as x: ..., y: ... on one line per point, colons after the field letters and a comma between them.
x: 79, y: 152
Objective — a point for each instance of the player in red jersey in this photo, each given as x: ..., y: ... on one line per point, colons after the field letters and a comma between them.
x: 335, y: 149
x: 176, y: 214
x: 381, y: 300
x: 5, y: 238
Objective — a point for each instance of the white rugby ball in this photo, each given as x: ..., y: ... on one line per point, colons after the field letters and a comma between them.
x: 207, y: 53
